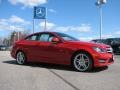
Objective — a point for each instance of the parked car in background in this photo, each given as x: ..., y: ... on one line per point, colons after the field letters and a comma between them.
x: 60, y: 48
x: 3, y: 47
x: 113, y: 42
x: 99, y: 41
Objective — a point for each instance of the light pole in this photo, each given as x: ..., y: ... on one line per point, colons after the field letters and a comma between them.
x: 99, y: 3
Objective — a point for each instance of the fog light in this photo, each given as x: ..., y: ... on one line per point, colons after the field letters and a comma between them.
x: 102, y: 61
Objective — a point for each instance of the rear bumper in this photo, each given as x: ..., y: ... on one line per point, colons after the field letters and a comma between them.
x: 13, y: 53
x: 101, y: 60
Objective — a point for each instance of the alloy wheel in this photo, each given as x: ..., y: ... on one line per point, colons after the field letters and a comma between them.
x: 82, y: 62
x: 20, y: 58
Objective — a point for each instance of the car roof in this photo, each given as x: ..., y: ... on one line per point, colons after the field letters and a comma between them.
x: 41, y: 33
x: 44, y: 32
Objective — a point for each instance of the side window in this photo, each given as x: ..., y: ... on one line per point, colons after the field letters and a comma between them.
x: 50, y: 38
x: 43, y: 37
x: 32, y: 37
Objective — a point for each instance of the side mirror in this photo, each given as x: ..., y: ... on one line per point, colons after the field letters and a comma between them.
x: 55, y: 40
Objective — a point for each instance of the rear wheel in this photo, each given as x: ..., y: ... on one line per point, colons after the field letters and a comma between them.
x: 20, y: 58
x: 82, y: 62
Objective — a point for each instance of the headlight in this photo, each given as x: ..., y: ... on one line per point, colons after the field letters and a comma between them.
x: 100, y: 50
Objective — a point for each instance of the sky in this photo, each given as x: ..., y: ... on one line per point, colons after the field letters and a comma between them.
x: 79, y: 18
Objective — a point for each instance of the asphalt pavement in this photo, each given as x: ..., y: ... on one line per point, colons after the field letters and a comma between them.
x: 41, y: 76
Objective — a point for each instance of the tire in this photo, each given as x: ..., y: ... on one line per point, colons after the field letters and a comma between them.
x: 82, y: 62
x: 20, y: 58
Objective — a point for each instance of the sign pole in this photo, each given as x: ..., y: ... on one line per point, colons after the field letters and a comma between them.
x: 45, y: 20
x: 45, y: 25
x: 40, y: 13
x: 33, y: 21
x: 33, y: 24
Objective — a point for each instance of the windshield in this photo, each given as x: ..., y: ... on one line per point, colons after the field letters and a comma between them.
x: 67, y: 37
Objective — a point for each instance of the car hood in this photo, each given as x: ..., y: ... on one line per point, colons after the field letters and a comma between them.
x: 91, y: 44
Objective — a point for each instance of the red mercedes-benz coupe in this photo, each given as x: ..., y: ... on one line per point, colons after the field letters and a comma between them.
x: 59, y: 48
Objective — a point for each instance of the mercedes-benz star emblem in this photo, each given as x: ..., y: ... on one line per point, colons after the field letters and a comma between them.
x: 40, y: 12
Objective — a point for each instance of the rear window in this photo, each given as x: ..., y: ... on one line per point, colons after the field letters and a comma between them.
x: 33, y: 37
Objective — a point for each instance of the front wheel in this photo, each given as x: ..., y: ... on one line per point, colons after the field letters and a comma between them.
x: 20, y: 58
x: 82, y: 62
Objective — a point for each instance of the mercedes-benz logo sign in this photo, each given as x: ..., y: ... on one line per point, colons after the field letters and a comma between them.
x: 40, y: 12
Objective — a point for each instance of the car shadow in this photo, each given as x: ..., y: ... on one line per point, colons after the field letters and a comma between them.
x: 56, y: 66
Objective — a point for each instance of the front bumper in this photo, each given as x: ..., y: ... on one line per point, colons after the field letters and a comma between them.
x: 101, y: 60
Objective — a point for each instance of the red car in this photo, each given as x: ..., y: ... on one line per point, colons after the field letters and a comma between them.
x: 59, y: 48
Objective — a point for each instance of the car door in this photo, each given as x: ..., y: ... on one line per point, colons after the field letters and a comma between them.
x: 30, y: 46
x: 50, y: 52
